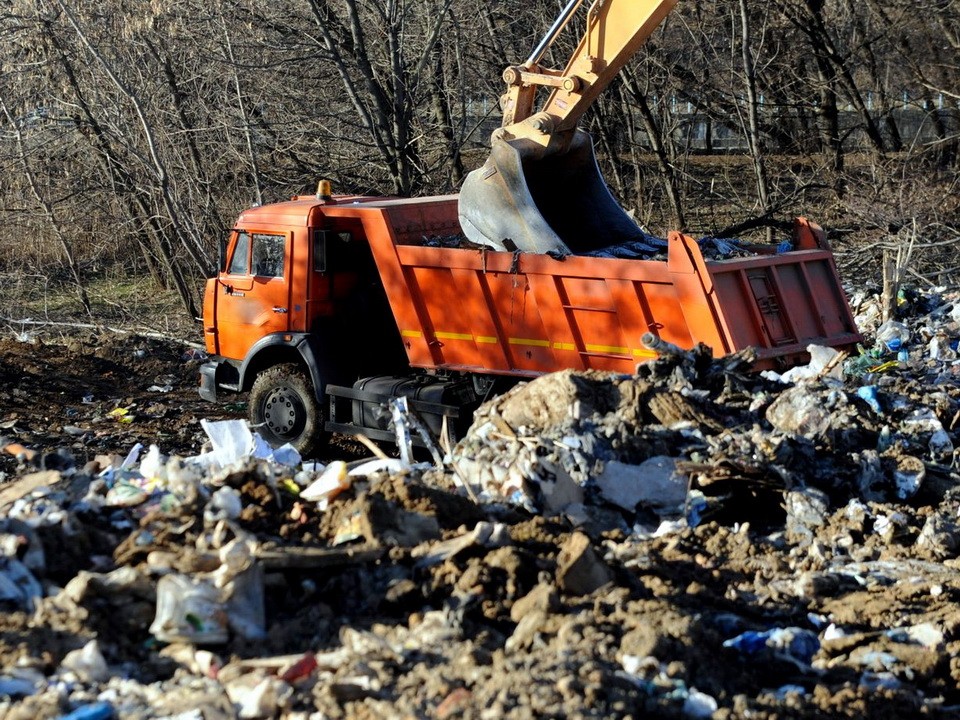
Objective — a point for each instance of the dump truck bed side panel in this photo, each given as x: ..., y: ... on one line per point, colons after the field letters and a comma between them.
x: 518, y: 313
x: 530, y: 314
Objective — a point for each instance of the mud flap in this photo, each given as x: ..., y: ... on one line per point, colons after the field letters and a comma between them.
x: 556, y: 203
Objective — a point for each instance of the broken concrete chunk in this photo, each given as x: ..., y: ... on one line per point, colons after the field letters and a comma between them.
x: 806, y: 512
x: 579, y: 570
x: 543, y: 598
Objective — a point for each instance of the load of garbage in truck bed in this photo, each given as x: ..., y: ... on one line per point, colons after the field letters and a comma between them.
x: 648, y: 247
x: 692, y: 540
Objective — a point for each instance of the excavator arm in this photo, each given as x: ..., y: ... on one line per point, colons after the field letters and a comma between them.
x: 541, y: 190
x: 616, y: 29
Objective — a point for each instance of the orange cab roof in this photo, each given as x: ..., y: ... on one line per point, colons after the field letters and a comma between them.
x: 297, y: 211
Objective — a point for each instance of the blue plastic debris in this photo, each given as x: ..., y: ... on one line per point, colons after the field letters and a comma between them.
x: 796, y: 643
x: 16, y: 687
x: 893, y: 335
x: 721, y: 246
x: 784, y: 247
x: 696, y: 505
x: 94, y: 711
x: 869, y: 394
x: 648, y: 246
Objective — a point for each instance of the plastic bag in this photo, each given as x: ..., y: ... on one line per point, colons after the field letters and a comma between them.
x: 893, y: 335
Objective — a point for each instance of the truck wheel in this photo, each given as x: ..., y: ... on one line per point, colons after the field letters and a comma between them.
x: 284, y: 408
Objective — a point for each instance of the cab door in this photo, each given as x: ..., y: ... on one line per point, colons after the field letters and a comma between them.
x: 254, y: 290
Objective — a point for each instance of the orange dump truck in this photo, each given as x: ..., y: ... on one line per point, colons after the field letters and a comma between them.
x: 327, y: 307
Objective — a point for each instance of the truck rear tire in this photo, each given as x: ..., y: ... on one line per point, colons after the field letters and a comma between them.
x: 284, y: 409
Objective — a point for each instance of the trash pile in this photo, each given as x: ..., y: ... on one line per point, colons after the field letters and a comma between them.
x: 694, y: 540
x: 651, y: 247
x: 648, y: 247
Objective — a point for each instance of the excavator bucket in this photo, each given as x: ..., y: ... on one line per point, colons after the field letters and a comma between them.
x: 557, y: 203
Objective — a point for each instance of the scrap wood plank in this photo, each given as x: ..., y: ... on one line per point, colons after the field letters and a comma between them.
x: 291, y: 558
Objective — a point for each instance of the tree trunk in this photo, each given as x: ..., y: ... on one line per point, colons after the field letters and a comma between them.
x: 754, y: 139
x: 658, y: 144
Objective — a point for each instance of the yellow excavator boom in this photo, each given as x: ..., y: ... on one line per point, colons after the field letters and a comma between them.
x: 616, y: 30
x: 540, y: 190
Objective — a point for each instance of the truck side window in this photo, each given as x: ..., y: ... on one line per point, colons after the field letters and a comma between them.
x: 319, y: 251
x: 326, y: 244
x: 268, y: 255
x: 239, y: 265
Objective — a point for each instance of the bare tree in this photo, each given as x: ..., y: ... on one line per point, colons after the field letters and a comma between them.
x: 65, y: 244
x: 133, y: 132
x: 752, y: 109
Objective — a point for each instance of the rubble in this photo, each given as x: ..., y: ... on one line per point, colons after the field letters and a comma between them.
x: 692, y: 540
x: 579, y: 570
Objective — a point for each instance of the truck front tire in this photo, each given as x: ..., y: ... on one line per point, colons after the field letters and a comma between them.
x: 284, y: 408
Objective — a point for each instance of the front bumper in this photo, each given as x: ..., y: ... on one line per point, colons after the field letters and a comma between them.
x: 208, y: 380
x: 216, y: 375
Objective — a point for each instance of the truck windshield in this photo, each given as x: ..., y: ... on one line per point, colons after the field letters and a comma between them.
x: 264, y: 260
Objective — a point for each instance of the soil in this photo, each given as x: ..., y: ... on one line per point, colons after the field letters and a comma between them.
x: 60, y: 393
x: 490, y: 631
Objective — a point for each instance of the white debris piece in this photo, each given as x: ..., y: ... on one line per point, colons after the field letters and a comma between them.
x: 656, y: 483
x: 87, y: 663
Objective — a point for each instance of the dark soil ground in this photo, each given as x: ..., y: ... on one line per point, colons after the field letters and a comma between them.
x: 64, y: 392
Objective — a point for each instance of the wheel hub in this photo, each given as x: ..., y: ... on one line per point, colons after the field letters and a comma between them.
x: 283, y: 412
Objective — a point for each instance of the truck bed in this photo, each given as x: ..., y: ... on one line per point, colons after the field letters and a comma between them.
x: 479, y: 310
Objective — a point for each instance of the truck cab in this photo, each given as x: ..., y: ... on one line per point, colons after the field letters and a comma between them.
x: 297, y: 305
